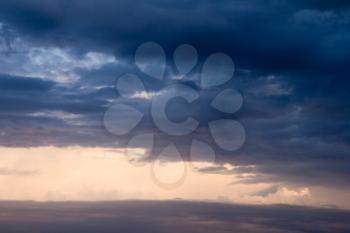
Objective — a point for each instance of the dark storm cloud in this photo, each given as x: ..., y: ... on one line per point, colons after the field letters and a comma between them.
x: 168, y: 216
x: 10, y: 83
x: 269, y: 35
x: 292, y: 60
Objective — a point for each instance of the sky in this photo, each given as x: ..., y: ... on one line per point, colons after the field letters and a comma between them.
x: 74, y: 76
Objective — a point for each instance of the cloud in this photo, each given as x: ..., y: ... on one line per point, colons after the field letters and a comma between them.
x: 246, y: 30
x: 22, y: 58
x: 168, y: 216
x: 10, y: 83
x: 292, y: 60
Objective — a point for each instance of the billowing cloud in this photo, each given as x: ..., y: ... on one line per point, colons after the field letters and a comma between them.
x: 59, y: 62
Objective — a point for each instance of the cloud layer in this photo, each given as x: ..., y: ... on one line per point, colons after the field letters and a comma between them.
x: 59, y: 61
x: 170, y: 216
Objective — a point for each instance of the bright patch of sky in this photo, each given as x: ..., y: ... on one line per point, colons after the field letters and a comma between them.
x: 106, y: 174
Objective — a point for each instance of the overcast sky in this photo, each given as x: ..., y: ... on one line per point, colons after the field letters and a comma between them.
x: 60, y: 61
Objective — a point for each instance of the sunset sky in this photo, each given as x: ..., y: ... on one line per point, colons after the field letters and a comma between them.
x: 63, y: 91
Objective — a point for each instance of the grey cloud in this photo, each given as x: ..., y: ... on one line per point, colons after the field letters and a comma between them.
x: 168, y: 216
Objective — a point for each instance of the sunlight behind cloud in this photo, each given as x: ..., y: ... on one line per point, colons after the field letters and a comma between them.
x: 92, y: 174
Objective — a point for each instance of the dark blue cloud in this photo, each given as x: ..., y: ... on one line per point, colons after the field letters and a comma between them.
x: 292, y: 60
x: 269, y: 35
x: 12, y: 83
